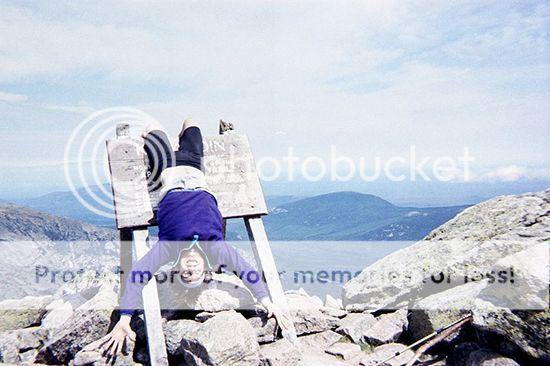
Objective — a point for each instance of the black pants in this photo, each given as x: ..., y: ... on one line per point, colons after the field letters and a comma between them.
x: 161, y: 155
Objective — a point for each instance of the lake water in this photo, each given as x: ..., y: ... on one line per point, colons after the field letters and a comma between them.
x: 323, y: 267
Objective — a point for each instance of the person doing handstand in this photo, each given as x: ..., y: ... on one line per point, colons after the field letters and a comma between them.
x: 189, y: 229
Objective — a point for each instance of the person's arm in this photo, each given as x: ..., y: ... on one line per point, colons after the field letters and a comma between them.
x: 142, y: 271
x: 230, y: 260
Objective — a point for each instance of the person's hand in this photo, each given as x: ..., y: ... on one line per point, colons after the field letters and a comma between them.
x: 273, y: 311
x: 113, y: 342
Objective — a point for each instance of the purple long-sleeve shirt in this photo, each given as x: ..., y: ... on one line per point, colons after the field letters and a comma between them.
x: 181, y: 215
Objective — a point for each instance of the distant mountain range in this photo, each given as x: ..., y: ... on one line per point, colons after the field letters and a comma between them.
x: 348, y: 216
x: 26, y: 224
x: 37, y: 246
x: 333, y: 216
x: 65, y: 204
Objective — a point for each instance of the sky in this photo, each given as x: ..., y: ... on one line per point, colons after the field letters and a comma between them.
x: 370, y: 78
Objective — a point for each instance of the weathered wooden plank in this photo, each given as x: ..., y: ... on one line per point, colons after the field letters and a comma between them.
x: 229, y: 168
x: 126, y: 256
x: 266, y: 262
x: 231, y: 175
x: 151, y: 308
x: 129, y: 183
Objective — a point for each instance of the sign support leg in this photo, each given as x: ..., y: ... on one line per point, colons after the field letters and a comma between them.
x: 264, y: 258
x: 151, y: 307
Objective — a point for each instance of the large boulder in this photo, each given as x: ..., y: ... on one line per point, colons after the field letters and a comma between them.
x: 449, y: 273
x: 307, y: 313
x: 346, y: 351
x: 313, y: 347
x: 265, y: 327
x: 224, y: 292
x: 483, y: 357
x: 467, y: 245
x: 318, y: 342
x: 225, y: 339
x: 19, y: 346
x: 382, y: 353
x: 86, y: 324
x: 174, y: 331
x: 92, y: 356
x: 526, y: 330
x: 280, y: 353
x: 9, y: 348
x: 22, y: 313
x: 355, y: 325
x: 387, y: 329
x: 76, y: 294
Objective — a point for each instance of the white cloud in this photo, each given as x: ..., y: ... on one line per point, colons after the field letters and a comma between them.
x: 506, y: 174
x: 514, y: 173
x: 372, y: 77
x: 12, y: 98
x: 82, y: 108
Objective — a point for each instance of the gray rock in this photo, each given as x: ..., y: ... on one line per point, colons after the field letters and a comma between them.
x: 313, y: 348
x: 226, y: 339
x: 346, y: 351
x: 30, y: 338
x: 20, y: 345
x: 505, y: 232
x: 528, y: 330
x: 9, y: 348
x: 264, y: 327
x: 27, y: 357
x: 462, y: 351
x: 355, y: 325
x: 313, y: 321
x: 306, y: 314
x: 224, y: 292
x: 310, y: 358
x: 335, y: 313
x: 472, y: 240
x: 88, y: 323
x: 424, y: 322
x: 331, y: 302
x: 280, y: 353
x: 59, y: 311
x: 381, y: 353
x: 483, y: 357
x: 17, y: 314
x: 300, y: 300
x: 387, y: 329
x: 90, y: 356
x: 214, y: 300
x: 318, y: 342
x: 86, y: 287
x: 204, y: 316
x: 174, y: 330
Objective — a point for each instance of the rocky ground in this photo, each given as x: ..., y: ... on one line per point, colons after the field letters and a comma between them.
x: 369, y: 323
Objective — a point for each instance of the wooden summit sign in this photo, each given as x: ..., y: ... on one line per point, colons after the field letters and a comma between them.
x: 231, y: 176
x: 230, y: 173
